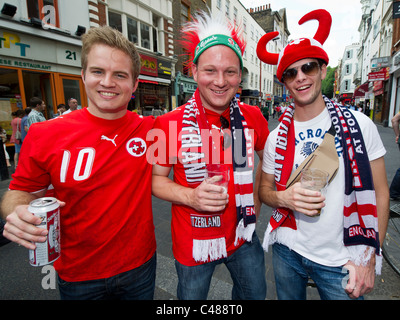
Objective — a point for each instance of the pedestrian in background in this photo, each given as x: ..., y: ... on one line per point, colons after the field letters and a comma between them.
x: 95, y: 160
x: 3, y: 135
x: 60, y: 109
x: 72, y: 105
x: 16, y: 133
x: 353, y: 215
x: 36, y: 115
x: 238, y: 131
x: 24, y: 127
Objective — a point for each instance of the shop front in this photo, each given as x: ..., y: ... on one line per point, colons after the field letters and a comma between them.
x: 184, y: 89
x: 380, y: 85
x: 361, y: 97
x: 153, y: 94
x: 378, y: 101
x: 251, y: 97
x: 34, y: 66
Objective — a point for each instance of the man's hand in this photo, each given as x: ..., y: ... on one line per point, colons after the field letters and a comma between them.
x: 361, y: 278
x: 21, y: 227
x: 302, y: 200
x: 209, y: 197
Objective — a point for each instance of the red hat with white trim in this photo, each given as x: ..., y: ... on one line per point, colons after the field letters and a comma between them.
x: 301, y: 48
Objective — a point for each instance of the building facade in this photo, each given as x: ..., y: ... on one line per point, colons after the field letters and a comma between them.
x: 395, y: 64
x: 40, y: 54
x: 41, y: 44
x: 349, y: 65
x: 271, y: 21
x: 372, y: 78
x: 148, y: 24
x: 256, y: 86
x: 184, y: 85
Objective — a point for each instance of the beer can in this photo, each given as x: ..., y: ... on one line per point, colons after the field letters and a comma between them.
x: 48, y: 210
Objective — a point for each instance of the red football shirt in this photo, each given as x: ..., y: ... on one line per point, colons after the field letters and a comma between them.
x: 171, y: 125
x: 99, y: 168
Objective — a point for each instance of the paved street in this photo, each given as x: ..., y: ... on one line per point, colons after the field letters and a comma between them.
x: 20, y: 281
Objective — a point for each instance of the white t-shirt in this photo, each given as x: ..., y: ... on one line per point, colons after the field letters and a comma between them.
x: 320, y: 239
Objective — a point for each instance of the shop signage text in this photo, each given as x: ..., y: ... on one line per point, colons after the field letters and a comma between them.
x: 164, y: 69
x: 23, y: 64
x: 10, y: 38
x: 380, y: 75
x: 37, y: 51
x: 149, y: 66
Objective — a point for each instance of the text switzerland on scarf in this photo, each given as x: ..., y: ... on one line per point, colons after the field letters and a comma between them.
x: 360, y: 220
x: 208, y: 234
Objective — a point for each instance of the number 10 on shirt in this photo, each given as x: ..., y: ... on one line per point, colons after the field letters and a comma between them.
x: 84, y: 161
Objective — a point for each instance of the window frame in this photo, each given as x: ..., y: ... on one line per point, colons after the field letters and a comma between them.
x: 42, y: 15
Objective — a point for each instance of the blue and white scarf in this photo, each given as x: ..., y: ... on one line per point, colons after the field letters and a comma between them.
x: 360, y: 220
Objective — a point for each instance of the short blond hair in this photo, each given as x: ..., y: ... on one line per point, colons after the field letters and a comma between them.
x: 114, y: 39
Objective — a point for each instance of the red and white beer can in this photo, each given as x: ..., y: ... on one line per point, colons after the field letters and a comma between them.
x: 48, y: 209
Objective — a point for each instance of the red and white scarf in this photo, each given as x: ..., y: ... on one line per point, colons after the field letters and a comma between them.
x: 360, y: 220
x: 197, y: 150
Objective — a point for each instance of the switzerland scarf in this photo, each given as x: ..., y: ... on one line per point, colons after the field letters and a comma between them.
x: 207, y: 228
x: 359, y: 213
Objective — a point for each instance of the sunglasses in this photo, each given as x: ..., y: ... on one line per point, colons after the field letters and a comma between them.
x: 226, y: 139
x: 309, y: 69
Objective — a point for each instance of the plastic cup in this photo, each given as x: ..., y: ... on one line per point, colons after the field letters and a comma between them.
x: 218, y: 174
x: 314, y: 179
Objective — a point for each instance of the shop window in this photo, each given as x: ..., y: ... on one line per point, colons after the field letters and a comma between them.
x: 45, y: 10
x: 10, y: 97
x: 72, y: 90
x: 133, y: 30
x: 185, y: 13
x: 114, y: 20
x: 156, y: 35
x: 227, y: 8
x: 38, y: 84
x: 145, y: 36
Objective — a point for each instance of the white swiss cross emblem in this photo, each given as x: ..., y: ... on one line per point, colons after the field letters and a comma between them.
x: 136, y: 147
x: 297, y: 41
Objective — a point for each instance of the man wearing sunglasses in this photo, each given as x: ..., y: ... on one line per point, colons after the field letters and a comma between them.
x: 322, y: 235
x: 212, y: 224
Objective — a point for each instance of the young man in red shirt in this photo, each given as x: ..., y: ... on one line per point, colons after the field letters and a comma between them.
x: 210, y: 226
x: 107, y: 231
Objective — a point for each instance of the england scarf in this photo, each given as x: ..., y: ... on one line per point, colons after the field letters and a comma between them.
x: 360, y: 220
x: 197, y: 144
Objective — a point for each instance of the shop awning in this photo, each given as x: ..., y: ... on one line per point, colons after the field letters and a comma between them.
x: 361, y: 90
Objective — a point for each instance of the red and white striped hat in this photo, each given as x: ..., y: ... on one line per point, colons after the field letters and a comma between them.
x: 301, y: 48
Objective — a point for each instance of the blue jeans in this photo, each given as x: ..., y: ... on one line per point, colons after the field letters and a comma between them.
x: 136, y: 284
x: 292, y: 271
x: 247, y: 269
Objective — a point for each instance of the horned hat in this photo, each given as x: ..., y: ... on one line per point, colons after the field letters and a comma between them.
x: 301, y: 48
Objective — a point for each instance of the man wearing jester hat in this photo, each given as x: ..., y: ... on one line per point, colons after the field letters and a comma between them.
x: 322, y: 235
x: 212, y: 224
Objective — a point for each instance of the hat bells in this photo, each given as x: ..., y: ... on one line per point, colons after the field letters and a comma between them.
x: 298, y: 49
